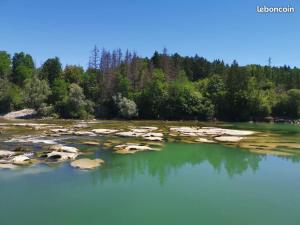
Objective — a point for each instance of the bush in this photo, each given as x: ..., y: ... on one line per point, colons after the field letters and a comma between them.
x: 126, y: 108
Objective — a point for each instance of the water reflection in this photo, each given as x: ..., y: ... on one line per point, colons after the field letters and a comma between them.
x: 174, y: 157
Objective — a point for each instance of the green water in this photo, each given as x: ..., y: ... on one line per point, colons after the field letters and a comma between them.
x: 209, y: 184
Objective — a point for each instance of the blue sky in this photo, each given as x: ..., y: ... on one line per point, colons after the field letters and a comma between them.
x: 225, y: 29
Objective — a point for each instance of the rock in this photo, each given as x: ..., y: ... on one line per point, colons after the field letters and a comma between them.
x: 104, y: 131
x: 7, y: 166
x: 204, y: 140
x: 63, y: 148
x: 222, y: 131
x: 21, y: 114
x: 21, y: 160
x: 86, y: 164
x: 61, y: 130
x: 209, y: 131
x: 91, y: 143
x: 4, y: 153
x: 83, y: 133
x: 32, y: 139
x: 153, y: 138
x: 229, y: 138
x: 81, y: 125
x: 131, y: 148
x: 62, y: 156
x: 129, y: 134
x: 153, y: 135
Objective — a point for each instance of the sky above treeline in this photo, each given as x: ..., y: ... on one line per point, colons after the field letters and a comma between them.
x: 227, y: 30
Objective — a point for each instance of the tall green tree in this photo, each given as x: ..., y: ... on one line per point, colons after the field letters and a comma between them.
x: 5, y: 65
x: 51, y: 70
x: 22, y: 68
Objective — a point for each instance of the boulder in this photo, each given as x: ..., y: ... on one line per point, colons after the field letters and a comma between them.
x: 87, y: 164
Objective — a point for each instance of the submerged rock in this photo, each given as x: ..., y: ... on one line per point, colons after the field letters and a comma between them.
x: 7, y: 166
x: 87, y: 163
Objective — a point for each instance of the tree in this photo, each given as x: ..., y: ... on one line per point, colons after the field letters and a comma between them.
x: 5, y: 65
x: 73, y: 74
x: 76, y: 105
x: 51, y: 70
x: 126, y: 108
x: 22, y: 68
x: 152, y: 99
x: 10, y: 96
x: 36, y: 92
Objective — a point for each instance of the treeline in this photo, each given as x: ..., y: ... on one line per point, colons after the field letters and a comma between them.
x: 172, y: 87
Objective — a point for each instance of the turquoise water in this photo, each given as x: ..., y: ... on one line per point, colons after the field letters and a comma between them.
x: 182, y: 184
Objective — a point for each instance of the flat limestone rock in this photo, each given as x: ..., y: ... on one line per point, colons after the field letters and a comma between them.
x: 25, y: 113
x: 129, y: 134
x: 209, y: 131
x: 229, y: 138
x: 87, y: 164
x: 131, y: 148
x: 21, y: 160
x: 62, y: 156
x: 7, y: 166
x: 59, y: 130
x: 104, y: 131
x: 153, y: 138
x: 153, y: 134
x: 83, y: 133
x: 4, y: 153
x: 204, y: 140
x: 63, y: 148
x: 91, y: 143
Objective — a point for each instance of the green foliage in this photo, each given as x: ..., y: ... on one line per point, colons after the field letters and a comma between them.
x: 185, y: 102
x: 152, y: 99
x: 73, y: 74
x: 123, y: 86
x: 163, y: 87
x: 126, y: 108
x: 10, y: 96
x: 288, y: 104
x: 36, y: 92
x: 76, y: 105
x: 51, y: 70
x: 5, y: 65
x: 22, y: 68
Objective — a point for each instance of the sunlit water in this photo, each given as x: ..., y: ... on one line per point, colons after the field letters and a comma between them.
x: 209, y: 184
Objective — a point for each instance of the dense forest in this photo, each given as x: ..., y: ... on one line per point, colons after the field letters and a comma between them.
x: 165, y: 86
